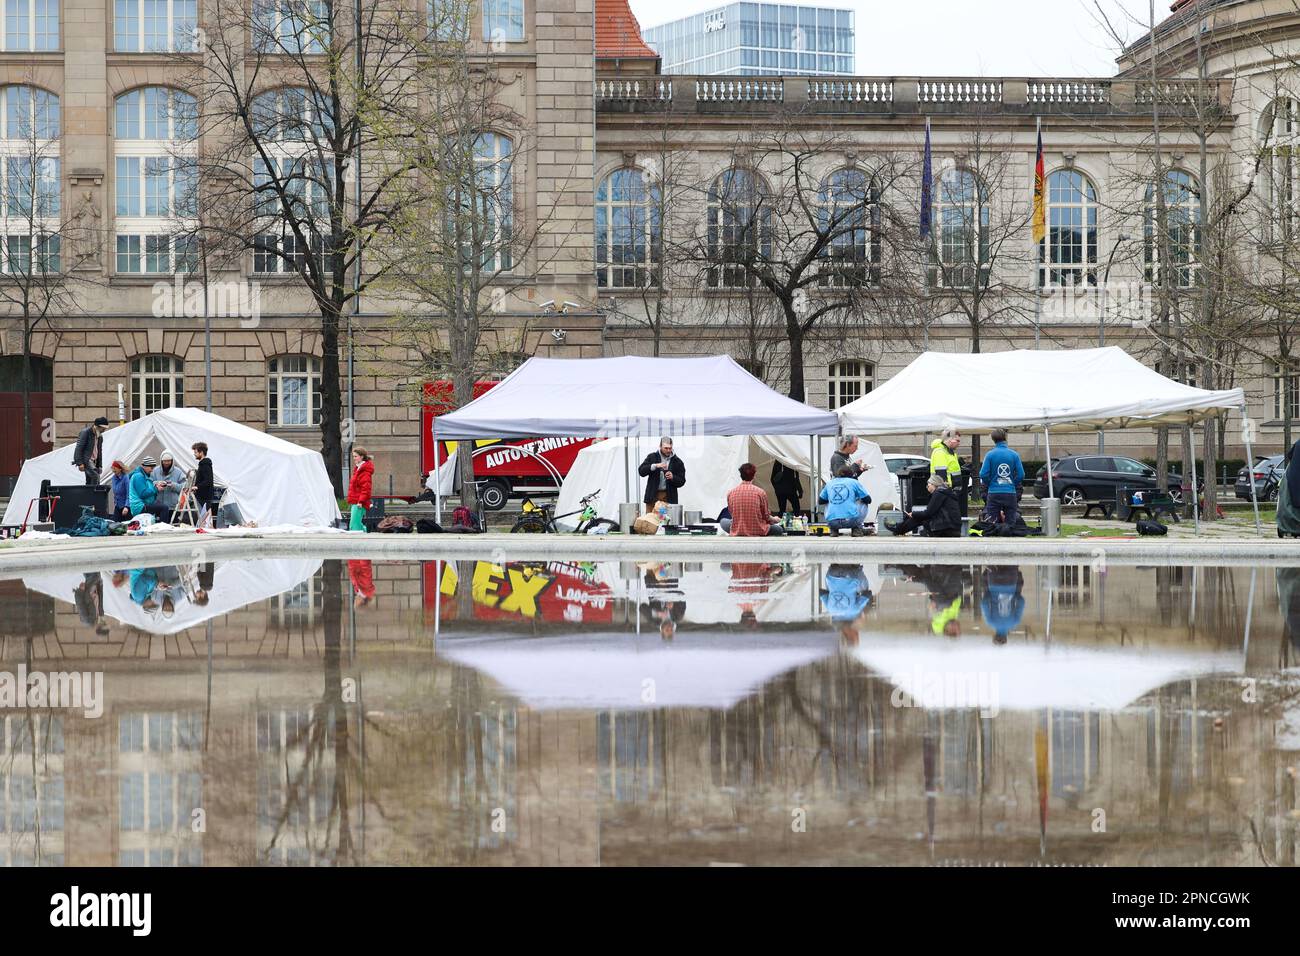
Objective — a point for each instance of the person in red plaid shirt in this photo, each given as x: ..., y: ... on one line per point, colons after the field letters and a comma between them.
x: 751, y: 516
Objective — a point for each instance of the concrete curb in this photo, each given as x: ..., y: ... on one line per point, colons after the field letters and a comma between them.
x: 117, y: 552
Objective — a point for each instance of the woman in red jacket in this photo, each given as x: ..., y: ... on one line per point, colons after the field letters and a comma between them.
x: 363, y: 471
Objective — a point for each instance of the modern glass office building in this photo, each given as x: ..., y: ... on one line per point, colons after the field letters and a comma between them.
x: 777, y: 39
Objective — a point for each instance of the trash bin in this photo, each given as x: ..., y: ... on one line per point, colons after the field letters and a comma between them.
x: 914, y: 484
x: 1049, y: 511
x: 675, y: 515
x: 627, y: 513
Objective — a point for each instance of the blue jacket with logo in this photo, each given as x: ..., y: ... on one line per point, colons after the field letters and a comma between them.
x: 842, y: 496
x: 1002, y: 472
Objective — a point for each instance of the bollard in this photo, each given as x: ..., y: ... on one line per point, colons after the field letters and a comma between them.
x: 1049, y: 511
x: 627, y: 514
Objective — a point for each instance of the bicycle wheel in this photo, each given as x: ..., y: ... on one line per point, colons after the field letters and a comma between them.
x: 530, y: 523
x: 597, y: 523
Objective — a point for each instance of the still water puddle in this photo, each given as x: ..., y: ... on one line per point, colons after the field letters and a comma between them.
x: 353, y: 712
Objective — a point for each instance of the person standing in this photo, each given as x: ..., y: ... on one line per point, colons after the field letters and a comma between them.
x: 204, y: 486
x: 1288, y: 496
x: 1001, y: 474
x: 788, y: 487
x: 88, y: 454
x: 751, y: 516
x: 664, y: 473
x: 846, y: 502
x: 169, y: 480
x: 845, y: 449
x: 363, y: 470
x: 121, y: 492
x: 943, y: 454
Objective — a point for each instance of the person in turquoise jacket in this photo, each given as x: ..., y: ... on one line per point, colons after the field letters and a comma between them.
x: 143, y: 492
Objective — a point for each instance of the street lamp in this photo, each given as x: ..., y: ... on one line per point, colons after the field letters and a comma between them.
x: 1101, y: 320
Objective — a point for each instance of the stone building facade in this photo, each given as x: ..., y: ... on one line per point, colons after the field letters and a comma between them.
x: 594, y: 103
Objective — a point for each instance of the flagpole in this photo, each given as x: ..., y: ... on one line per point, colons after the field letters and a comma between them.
x: 1039, y: 208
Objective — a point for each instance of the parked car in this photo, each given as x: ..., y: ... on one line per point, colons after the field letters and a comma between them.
x: 1268, y: 474
x: 1080, y: 478
x: 897, y: 464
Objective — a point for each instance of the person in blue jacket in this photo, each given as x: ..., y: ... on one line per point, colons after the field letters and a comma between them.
x: 1003, y: 604
x: 121, y: 492
x: 846, y: 502
x: 1001, y: 474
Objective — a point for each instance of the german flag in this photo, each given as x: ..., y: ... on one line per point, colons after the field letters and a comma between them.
x: 1040, y: 192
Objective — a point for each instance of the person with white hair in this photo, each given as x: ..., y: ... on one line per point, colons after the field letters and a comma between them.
x: 845, y: 447
x: 941, y: 517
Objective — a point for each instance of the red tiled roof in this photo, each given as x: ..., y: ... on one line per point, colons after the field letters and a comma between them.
x: 618, y: 35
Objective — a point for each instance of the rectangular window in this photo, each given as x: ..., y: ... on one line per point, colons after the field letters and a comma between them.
x: 128, y: 254
x: 503, y: 20
x: 157, y: 185
x: 156, y: 33
x: 1286, y: 393
x: 17, y: 27
x: 128, y: 185
x: 156, y: 258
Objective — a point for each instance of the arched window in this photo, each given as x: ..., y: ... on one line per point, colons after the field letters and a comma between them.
x: 29, y: 25
x: 155, y: 134
x: 739, y: 228
x: 847, y: 381
x: 628, y: 230
x: 1182, y: 232
x: 291, y: 26
x: 30, y: 184
x: 849, y: 215
x: 1069, y: 255
x: 293, y: 391
x: 155, y: 26
x: 1280, y: 133
x: 293, y: 186
x: 157, y: 382
x: 961, y: 220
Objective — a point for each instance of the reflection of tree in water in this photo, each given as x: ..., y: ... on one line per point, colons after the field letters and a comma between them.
x: 480, y: 767
x: 31, y: 777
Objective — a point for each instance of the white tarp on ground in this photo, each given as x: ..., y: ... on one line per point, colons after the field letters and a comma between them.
x: 935, y: 672
x: 273, y: 481
x: 632, y: 395
x: 235, y: 584
x: 56, y: 466
x: 712, y: 469
x: 1068, y: 390
x: 612, y: 671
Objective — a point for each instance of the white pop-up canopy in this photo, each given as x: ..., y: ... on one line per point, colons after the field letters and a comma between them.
x: 1024, y: 389
x: 632, y: 395
x: 274, y: 482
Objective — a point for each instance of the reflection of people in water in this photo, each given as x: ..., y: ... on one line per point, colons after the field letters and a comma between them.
x: 751, y: 578
x: 89, y: 599
x: 666, y: 605
x: 845, y: 596
x: 1288, y: 596
x: 362, y: 576
x: 1004, y: 602
x: 155, y: 588
x: 945, y: 588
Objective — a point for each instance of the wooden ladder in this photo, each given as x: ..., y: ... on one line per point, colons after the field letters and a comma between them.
x: 186, y: 506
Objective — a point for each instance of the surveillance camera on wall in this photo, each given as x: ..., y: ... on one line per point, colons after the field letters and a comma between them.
x: 547, y: 306
x: 559, y: 335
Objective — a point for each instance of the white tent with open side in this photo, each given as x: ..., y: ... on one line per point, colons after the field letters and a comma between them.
x: 273, y: 481
x: 632, y: 395
x: 1025, y: 389
x: 56, y: 467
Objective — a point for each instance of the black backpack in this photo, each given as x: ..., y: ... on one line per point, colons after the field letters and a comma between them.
x: 427, y: 526
x: 1146, y: 526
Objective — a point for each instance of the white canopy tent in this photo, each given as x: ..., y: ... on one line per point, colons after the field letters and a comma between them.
x: 638, y: 672
x: 631, y: 396
x: 55, y: 466
x: 1022, y: 390
x: 274, y: 482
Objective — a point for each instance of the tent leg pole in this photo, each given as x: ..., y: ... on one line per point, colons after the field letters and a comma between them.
x: 437, y: 476
x: 1196, y: 498
x: 1250, y: 472
x: 627, y: 469
x: 1047, y: 437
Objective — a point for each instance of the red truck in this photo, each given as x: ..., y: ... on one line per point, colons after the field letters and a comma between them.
x: 508, y: 468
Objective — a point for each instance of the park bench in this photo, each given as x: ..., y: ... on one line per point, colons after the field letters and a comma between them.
x: 1107, y: 508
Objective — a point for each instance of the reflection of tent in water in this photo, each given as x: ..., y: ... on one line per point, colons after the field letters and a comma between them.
x: 941, y: 673
x: 235, y: 584
x: 625, y: 672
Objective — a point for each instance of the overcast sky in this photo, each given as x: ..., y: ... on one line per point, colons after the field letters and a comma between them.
x: 968, y: 37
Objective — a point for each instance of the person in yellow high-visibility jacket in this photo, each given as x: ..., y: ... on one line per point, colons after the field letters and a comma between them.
x: 943, y: 453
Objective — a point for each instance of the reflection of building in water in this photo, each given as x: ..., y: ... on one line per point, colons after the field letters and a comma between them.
x: 295, y: 786
x: 630, y: 754
x: 160, y: 785
x: 31, y: 790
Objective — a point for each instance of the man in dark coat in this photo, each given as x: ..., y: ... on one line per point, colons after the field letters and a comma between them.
x: 788, y: 487
x: 664, y: 473
x: 88, y: 455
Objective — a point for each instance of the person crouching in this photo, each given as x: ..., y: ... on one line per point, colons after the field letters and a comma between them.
x: 751, y: 515
x: 846, y: 501
x: 941, y: 517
